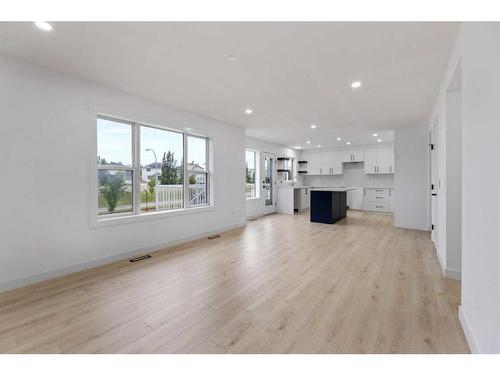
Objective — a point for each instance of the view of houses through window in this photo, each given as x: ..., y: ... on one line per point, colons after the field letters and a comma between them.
x: 250, y: 182
x: 157, y: 169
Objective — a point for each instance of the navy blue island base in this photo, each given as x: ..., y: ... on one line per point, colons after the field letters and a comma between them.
x: 328, y: 206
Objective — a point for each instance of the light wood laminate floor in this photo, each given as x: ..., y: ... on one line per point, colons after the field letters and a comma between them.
x: 280, y: 285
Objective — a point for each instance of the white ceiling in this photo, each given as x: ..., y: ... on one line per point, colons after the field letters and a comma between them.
x: 291, y: 74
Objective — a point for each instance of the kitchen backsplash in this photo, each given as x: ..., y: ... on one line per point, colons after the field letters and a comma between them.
x: 354, y: 175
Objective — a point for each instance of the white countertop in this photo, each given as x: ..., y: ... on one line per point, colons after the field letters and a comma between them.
x: 378, y: 187
x: 294, y: 187
x: 339, y: 189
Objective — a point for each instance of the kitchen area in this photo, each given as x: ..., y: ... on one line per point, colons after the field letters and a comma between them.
x: 365, y: 173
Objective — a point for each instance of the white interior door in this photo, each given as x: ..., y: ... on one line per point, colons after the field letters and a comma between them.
x: 434, y: 170
x: 268, y: 182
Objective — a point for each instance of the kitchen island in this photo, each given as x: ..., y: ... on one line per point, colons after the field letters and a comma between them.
x: 328, y: 205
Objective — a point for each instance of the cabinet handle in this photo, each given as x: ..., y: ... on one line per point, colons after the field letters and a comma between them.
x: 390, y: 168
x: 320, y: 171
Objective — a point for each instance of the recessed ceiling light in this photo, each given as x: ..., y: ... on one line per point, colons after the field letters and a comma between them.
x: 339, y: 139
x: 379, y: 140
x: 308, y: 142
x: 189, y: 129
x: 356, y: 84
x: 319, y: 146
x: 313, y: 126
x: 348, y: 143
x: 249, y: 111
x: 232, y: 58
x: 43, y: 25
x: 297, y: 147
x: 375, y: 134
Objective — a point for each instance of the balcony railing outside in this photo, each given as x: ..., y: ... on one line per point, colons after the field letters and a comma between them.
x: 171, y: 197
x: 250, y: 190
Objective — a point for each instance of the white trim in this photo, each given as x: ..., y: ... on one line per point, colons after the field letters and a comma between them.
x: 36, y: 278
x: 441, y: 263
x: 452, y: 274
x: 447, y: 272
x: 131, y: 218
x: 473, y: 346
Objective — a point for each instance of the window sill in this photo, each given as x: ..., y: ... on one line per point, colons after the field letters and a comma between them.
x: 97, y: 222
x: 253, y: 199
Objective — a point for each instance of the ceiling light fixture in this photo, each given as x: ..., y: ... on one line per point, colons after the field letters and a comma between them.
x: 339, y: 139
x: 356, y: 84
x: 308, y: 142
x: 348, y: 143
x: 313, y: 126
x: 297, y: 147
x: 43, y: 25
x: 319, y: 146
x: 375, y: 134
x: 249, y: 111
x: 379, y: 140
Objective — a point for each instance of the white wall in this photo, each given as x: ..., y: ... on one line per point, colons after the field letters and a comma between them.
x: 47, y: 151
x: 411, y: 180
x: 354, y: 175
x: 453, y: 170
x: 481, y: 183
x: 478, y: 53
x: 255, y: 207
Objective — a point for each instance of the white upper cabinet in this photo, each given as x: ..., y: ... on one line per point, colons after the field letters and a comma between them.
x: 379, y: 159
x: 323, y: 162
x: 332, y: 162
x: 313, y: 162
x: 371, y: 160
x: 353, y: 154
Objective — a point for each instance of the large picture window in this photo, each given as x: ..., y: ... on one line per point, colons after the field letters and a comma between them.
x: 143, y: 169
x: 250, y: 179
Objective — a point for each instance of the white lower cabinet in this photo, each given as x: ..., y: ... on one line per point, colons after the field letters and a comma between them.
x: 378, y: 199
x: 355, y: 199
x: 303, y: 199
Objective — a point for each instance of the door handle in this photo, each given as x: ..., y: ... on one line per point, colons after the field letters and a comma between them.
x: 434, y: 194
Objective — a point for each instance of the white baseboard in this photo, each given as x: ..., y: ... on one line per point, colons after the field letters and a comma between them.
x: 452, y: 274
x: 474, y: 348
x: 36, y: 278
x: 440, y: 261
x: 448, y: 272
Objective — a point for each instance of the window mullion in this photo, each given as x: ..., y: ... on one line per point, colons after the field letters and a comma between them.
x: 136, y: 163
x: 185, y: 169
x: 208, y: 177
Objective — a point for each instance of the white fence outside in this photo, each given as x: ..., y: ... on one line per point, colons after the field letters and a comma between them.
x: 250, y: 190
x: 171, y: 197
